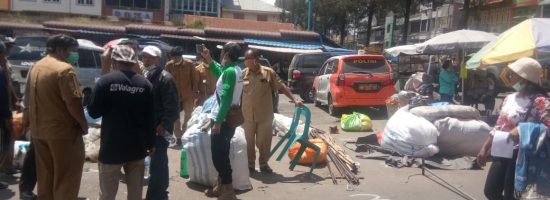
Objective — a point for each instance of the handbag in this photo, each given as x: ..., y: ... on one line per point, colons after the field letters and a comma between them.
x: 235, y: 116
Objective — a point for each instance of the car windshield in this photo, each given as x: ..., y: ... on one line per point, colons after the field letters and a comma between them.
x: 29, y: 49
x: 313, y: 61
x: 365, y: 66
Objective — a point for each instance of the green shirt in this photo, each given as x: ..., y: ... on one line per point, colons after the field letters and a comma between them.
x: 227, y: 78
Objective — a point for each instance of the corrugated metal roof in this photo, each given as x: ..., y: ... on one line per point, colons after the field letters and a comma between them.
x: 250, y: 5
x: 236, y: 33
x: 285, y: 44
x: 20, y: 26
x: 86, y: 27
x: 241, y: 24
x: 190, y: 38
x: 284, y: 50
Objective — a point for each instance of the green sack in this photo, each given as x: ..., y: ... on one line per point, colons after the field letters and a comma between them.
x: 356, y: 122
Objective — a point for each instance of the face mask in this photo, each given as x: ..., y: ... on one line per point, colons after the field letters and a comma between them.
x: 224, y: 62
x: 73, y: 58
x: 150, y: 67
x: 517, y: 87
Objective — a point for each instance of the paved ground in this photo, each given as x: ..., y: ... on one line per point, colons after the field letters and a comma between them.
x: 379, y: 181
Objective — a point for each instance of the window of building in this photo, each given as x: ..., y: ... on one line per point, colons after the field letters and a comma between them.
x: 85, y: 2
x: 546, y: 11
x: 145, y: 4
x: 388, y: 28
x: 262, y: 18
x: 238, y: 16
x: 415, y: 27
x: 52, y: 1
x: 112, y: 2
x: 202, y: 7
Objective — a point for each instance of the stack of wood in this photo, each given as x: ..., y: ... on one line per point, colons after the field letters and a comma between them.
x: 338, y: 158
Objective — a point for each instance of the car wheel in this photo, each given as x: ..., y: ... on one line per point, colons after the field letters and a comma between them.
x: 87, y: 97
x: 315, y: 102
x: 332, y: 111
x: 306, y: 95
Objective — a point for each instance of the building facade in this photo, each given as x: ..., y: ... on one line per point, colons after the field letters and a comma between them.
x: 5, y: 5
x: 429, y: 23
x: 256, y: 10
x: 81, y: 7
x: 140, y: 10
x: 179, y: 8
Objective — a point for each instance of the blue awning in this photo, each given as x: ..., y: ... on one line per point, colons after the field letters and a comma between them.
x: 338, y: 50
x: 285, y: 44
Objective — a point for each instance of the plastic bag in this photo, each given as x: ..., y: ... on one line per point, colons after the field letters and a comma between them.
x: 356, y: 122
x: 20, y: 149
x: 309, y: 154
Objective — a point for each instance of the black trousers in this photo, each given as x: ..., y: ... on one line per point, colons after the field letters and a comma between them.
x: 27, y: 181
x: 500, y: 179
x: 220, y: 153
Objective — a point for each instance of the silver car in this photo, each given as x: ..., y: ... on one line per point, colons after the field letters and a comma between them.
x: 27, y: 50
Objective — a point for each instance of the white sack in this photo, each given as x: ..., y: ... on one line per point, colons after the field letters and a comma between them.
x: 461, y: 137
x: 410, y: 135
x: 282, y: 123
x: 433, y: 113
x: 199, y: 156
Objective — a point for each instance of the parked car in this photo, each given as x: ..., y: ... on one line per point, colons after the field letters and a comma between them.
x: 275, y: 95
x: 28, y: 50
x: 302, y: 71
x: 354, y: 80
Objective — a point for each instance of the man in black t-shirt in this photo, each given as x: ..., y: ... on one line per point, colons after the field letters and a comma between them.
x: 125, y: 101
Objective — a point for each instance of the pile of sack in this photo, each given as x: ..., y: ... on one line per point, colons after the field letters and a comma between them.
x: 197, y: 144
x: 424, y: 131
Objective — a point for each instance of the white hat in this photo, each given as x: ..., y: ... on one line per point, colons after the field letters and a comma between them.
x: 152, y: 50
x: 528, y: 69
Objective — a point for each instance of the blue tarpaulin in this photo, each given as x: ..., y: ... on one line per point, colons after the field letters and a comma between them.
x: 285, y: 44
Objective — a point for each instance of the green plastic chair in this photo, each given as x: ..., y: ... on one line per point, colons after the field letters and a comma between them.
x: 303, y: 139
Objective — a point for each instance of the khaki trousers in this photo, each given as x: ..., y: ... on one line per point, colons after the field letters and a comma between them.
x: 179, y: 128
x: 59, y: 165
x: 259, y: 134
x: 109, y: 177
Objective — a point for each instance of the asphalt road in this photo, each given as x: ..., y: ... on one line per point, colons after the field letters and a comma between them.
x: 378, y: 180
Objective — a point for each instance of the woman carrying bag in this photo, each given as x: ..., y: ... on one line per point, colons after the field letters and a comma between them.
x: 527, y: 104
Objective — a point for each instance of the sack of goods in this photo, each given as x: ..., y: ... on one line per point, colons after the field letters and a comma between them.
x: 355, y: 122
x: 405, y: 97
x: 433, y: 113
x: 281, y: 125
x: 461, y: 137
x: 410, y: 135
x: 20, y: 149
x: 197, y: 144
x: 309, y: 154
x: 92, y: 143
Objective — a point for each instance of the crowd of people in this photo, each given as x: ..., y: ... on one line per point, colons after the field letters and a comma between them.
x: 140, y: 102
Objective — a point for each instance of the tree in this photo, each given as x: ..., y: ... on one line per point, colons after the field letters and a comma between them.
x: 406, y: 24
x: 463, y: 24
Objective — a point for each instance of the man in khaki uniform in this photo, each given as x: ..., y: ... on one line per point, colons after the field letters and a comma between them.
x: 257, y: 106
x: 207, y: 81
x: 57, y: 120
x: 186, y: 78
